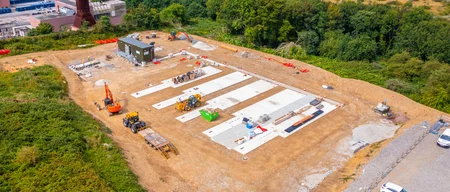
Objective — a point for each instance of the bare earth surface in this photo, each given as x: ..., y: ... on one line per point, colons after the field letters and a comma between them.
x: 299, y: 162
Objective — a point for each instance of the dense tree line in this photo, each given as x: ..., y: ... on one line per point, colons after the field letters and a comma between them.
x: 347, y: 31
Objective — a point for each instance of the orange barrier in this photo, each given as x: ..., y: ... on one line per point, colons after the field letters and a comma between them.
x: 106, y: 41
x: 229, y: 48
x: 4, y: 51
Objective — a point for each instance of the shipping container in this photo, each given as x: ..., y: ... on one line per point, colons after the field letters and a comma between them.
x: 5, y: 10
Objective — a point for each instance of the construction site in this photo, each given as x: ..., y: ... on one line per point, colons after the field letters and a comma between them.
x: 194, y: 114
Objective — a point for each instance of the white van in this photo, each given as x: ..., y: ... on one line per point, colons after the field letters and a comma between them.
x: 444, y: 139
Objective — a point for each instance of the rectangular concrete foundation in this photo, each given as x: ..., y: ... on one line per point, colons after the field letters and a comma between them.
x: 206, y: 88
x: 228, y: 137
x: 266, y: 106
x: 231, y: 98
x: 209, y: 71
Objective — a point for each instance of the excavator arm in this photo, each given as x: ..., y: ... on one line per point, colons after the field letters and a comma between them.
x: 108, y: 93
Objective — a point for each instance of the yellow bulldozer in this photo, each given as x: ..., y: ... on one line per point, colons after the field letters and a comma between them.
x: 192, y: 102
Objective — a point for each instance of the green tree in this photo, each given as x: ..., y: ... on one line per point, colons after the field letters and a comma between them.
x: 104, y: 24
x: 365, y: 22
x: 331, y: 45
x: 195, y: 10
x: 426, y: 39
x: 84, y: 26
x: 213, y: 7
x: 309, y: 40
x: 142, y: 18
x: 41, y: 29
x: 437, y: 90
x: 174, y: 14
x: 360, y: 48
x: 389, y: 24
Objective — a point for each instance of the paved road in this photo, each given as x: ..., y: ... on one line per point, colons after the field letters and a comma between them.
x: 425, y: 169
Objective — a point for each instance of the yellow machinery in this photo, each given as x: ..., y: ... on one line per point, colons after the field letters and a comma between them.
x: 192, y: 102
x: 131, y: 121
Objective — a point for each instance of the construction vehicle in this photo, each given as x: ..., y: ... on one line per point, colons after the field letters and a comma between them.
x: 192, y: 102
x: 158, y: 142
x: 383, y: 109
x: 188, y: 76
x: 131, y: 120
x: 209, y: 114
x: 111, y: 106
x: 174, y: 36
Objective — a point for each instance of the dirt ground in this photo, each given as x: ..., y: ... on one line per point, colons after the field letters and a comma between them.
x: 279, y: 165
x: 435, y: 7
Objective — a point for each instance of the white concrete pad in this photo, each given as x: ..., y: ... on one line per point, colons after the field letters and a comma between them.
x: 270, y: 104
x: 232, y: 98
x: 242, y: 94
x: 209, y: 71
x: 150, y: 90
x: 257, y: 141
x: 206, y: 88
x: 266, y: 106
x: 223, y: 127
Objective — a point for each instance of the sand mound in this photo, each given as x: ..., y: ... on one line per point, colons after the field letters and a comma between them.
x: 102, y: 82
x: 203, y: 46
x: 246, y: 55
x: 372, y: 133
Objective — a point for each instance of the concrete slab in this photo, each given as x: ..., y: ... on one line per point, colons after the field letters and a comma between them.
x: 266, y: 106
x: 227, y: 137
x: 223, y: 126
x: 209, y: 71
x: 327, y: 108
x: 231, y: 98
x: 270, y: 104
x: 206, y: 88
x: 242, y: 94
x: 255, y: 142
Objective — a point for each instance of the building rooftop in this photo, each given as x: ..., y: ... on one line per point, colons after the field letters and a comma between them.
x: 49, y: 16
x: 135, y: 42
x: 69, y: 2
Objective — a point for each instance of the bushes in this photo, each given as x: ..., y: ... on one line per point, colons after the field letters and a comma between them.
x: 49, y: 144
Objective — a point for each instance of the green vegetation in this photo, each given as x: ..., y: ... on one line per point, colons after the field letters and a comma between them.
x: 42, y: 29
x: 49, y: 144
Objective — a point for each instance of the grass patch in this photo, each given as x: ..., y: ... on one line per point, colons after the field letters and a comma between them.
x: 49, y: 143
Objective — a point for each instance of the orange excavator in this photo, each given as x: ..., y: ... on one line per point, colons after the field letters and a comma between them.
x: 174, y: 36
x: 111, y: 106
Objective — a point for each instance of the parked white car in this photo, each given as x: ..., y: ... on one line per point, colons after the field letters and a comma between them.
x: 391, y: 187
x: 444, y: 139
